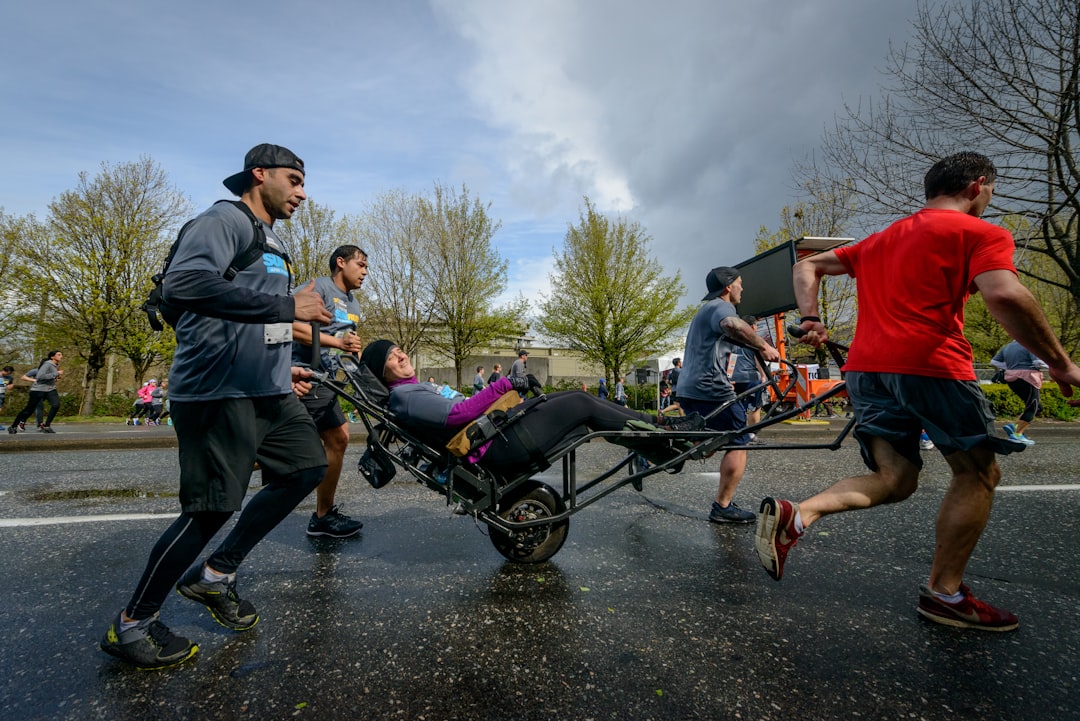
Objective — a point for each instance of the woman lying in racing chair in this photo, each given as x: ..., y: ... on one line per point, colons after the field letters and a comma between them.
x: 548, y: 420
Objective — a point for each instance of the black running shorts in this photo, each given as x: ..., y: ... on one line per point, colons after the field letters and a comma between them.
x: 732, y: 418
x: 322, y: 404
x: 221, y: 440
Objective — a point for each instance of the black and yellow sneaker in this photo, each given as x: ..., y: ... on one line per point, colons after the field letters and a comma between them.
x: 147, y: 646
x: 220, y: 597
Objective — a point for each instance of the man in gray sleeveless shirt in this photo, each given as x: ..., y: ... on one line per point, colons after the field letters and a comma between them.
x: 348, y: 268
x: 233, y: 403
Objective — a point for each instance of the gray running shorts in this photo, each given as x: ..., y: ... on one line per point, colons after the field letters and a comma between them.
x: 898, y: 407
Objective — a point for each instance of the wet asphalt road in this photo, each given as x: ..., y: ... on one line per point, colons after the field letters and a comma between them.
x: 648, y: 612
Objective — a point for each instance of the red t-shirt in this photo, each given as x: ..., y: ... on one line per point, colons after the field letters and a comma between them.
x: 912, y: 281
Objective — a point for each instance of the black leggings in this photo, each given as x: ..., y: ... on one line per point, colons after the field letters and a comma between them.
x: 1029, y: 394
x: 184, y: 540
x: 37, y: 398
x: 550, y: 422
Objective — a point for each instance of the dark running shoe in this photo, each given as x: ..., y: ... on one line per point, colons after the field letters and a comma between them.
x: 46, y: 429
x: 334, y: 524
x: 220, y: 597
x: 12, y: 429
x: 969, y: 612
x: 147, y: 646
x: 678, y: 424
x: 775, y: 534
x: 729, y: 514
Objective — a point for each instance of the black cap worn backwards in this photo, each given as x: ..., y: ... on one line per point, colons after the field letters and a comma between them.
x: 262, y: 156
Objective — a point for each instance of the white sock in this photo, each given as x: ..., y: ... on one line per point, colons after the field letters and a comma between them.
x: 950, y: 598
x: 127, y: 625
x: 209, y: 574
x: 797, y: 523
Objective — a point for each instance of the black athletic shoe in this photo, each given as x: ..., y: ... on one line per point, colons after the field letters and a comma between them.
x: 148, y: 645
x: 220, y: 597
x: 692, y: 422
x: 334, y: 524
x: 46, y: 429
x: 12, y: 429
x: 730, y: 514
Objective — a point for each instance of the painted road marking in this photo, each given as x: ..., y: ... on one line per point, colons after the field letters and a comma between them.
x: 58, y: 520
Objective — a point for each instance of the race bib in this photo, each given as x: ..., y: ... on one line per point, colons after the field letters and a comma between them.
x: 277, y: 333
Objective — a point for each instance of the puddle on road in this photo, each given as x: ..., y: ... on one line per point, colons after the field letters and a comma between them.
x: 86, y: 493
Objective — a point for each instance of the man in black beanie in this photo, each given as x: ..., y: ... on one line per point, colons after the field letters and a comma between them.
x: 717, y: 337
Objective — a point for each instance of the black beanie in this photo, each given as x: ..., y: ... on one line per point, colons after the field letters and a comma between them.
x: 374, y: 357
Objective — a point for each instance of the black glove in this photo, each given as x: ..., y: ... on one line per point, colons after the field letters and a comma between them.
x: 534, y: 385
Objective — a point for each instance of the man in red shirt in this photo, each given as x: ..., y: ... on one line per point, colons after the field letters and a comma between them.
x: 910, y: 368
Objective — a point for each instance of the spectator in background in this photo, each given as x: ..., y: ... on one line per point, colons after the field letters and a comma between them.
x: 39, y: 412
x: 478, y: 380
x: 601, y: 388
x: 620, y: 391
x: 157, y: 404
x: 1024, y: 376
x: 5, y: 381
x: 673, y: 378
x: 496, y: 374
x: 43, y: 389
x: 518, y: 369
x: 665, y: 396
x: 142, y: 405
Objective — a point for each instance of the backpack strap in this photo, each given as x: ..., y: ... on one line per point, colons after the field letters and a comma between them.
x: 258, y: 246
x: 155, y: 300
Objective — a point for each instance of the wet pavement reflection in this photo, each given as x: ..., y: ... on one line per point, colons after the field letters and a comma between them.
x: 648, y: 611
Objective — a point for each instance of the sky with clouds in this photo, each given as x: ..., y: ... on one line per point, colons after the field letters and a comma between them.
x: 685, y: 116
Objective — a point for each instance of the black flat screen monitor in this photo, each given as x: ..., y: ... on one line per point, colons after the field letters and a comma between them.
x: 767, y: 286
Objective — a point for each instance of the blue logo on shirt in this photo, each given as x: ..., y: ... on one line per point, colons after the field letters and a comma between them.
x: 275, y: 264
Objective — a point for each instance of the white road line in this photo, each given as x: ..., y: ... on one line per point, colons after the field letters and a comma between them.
x: 58, y: 520
x: 1048, y: 487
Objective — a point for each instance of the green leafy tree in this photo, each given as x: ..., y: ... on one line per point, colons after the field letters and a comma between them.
x: 13, y: 320
x: 609, y: 298
x: 143, y: 346
x: 999, y: 77
x: 467, y: 275
x: 91, y: 261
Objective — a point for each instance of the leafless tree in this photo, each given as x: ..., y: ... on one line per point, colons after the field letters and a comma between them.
x: 1000, y: 77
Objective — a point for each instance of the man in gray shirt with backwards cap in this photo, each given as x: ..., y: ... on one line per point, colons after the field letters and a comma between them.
x: 717, y: 337
x: 233, y: 402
